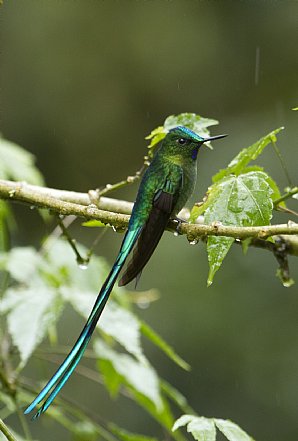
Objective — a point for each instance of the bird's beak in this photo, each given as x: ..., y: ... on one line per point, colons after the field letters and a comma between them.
x: 214, y: 137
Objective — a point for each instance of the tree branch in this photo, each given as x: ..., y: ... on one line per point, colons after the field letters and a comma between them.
x: 116, y: 213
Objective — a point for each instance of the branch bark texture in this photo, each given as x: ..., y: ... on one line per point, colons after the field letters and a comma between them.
x: 116, y: 212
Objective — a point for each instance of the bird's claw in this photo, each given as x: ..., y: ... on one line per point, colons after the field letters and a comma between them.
x: 178, y: 221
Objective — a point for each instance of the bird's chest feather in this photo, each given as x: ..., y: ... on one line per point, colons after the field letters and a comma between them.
x: 189, y: 177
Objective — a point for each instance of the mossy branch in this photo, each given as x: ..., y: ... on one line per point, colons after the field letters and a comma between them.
x: 116, y: 213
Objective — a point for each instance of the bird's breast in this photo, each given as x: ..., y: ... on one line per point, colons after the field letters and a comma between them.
x: 189, y: 177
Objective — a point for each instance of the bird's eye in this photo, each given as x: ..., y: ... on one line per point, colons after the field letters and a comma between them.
x: 181, y: 141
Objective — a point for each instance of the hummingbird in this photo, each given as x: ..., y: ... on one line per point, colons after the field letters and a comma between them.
x: 165, y: 187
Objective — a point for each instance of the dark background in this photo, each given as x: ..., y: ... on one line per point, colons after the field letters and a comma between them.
x: 82, y: 83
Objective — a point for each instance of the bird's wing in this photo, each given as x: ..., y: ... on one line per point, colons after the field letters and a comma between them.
x: 163, y: 204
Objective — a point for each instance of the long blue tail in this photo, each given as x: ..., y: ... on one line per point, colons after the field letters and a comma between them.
x: 61, y: 376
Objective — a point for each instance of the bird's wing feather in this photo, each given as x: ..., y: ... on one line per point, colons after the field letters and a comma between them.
x: 162, y: 207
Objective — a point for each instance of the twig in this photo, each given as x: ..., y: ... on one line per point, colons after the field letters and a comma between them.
x: 129, y: 180
x: 80, y: 260
x: 282, y: 162
x: 286, y: 210
x: 6, y: 432
x: 55, y: 234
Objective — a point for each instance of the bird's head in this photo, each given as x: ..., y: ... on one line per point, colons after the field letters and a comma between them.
x: 183, y: 141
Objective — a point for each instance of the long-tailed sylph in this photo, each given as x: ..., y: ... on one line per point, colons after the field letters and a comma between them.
x: 164, y: 189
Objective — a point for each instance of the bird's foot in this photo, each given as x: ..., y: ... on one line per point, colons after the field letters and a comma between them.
x: 178, y: 221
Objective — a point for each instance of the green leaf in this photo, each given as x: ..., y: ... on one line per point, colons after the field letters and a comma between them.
x: 202, y: 429
x: 79, y: 287
x: 94, y: 223
x: 18, y: 164
x: 124, y: 327
x: 275, y: 190
x: 177, y: 397
x: 217, y: 248
x: 32, y: 306
x: 295, y: 108
x: 22, y: 263
x: 116, y: 321
x: 231, y: 431
x: 124, y: 435
x: 140, y: 379
x: 30, y: 312
x: 163, y: 416
x: 163, y: 345
x: 111, y: 377
x: 240, y: 162
x: 84, y: 431
x: 57, y: 272
x: 194, y: 122
x: 61, y: 262
x: 156, y: 136
x: 139, y: 375
x: 243, y: 200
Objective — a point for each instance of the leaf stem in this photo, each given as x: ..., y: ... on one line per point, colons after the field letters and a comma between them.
x: 23, y: 421
x: 282, y: 162
x: 80, y: 260
x: 288, y: 195
x: 286, y: 210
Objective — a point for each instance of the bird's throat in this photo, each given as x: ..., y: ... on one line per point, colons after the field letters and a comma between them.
x: 195, y: 153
